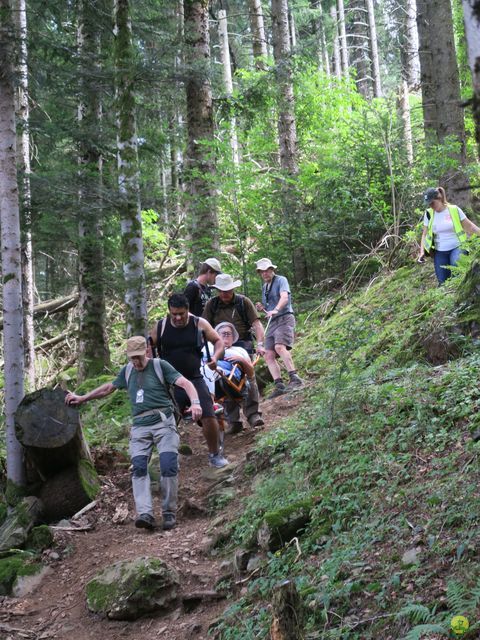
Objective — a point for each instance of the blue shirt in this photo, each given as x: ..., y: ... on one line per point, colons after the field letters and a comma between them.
x: 271, y: 295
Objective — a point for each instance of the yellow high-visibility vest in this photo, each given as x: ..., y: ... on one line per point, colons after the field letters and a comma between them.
x: 428, y: 243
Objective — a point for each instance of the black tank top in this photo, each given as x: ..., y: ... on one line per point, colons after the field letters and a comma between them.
x: 180, y: 347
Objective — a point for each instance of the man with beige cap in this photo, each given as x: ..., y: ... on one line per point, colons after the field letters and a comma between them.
x: 239, y: 310
x: 279, y: 339
x: 145, y: 381
x: 198, y: 291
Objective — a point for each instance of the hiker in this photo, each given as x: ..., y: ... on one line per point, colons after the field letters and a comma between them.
x: 178, y: 340
x: 229, y: 306
x: 198, y: 291
x: 236, y: 394
x: 153, y: 424
x: 279, y: 339
x: 445, y: 229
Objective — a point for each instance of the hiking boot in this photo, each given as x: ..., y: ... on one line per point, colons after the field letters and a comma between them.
x: 218, y: 409
x: 234, y: 427
x: 280, y: 390
x: 169, y: 521
x: 145, y: 521
x: 256, y: 420
x: 295, y: 381
x: 217, y: 460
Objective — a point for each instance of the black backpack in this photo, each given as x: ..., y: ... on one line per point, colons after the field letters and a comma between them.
x: 239, y: 308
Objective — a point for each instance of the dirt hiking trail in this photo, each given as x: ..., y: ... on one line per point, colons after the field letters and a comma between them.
x: 57, y: 608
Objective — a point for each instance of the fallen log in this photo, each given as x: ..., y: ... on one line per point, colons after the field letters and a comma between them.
x: 56, y: 453
x: 52, y: 306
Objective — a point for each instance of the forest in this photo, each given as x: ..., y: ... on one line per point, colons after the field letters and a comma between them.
x: 138, y: 139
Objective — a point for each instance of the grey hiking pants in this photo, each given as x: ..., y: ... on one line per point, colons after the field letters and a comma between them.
x: 164, y: 436
x: 249, y: 404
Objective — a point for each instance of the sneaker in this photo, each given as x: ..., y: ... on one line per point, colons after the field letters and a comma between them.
x: 145, y: 521
x: 256, y: 420
x: 234, y: 427
x: 169, y: 521
x: 295, y: 381
x: 218, y: 409
x: 217, y: 460
x: 280, y: 390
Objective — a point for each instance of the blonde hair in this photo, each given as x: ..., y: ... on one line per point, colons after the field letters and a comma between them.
x: 442, y: 195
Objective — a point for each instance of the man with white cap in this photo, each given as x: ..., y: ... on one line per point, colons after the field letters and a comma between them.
x: 233, y: 307
x: 277, y: 305
x: 154, y: 424
x: 198, y: 291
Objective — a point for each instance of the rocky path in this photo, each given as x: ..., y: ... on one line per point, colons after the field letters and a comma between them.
x: 57, y: 609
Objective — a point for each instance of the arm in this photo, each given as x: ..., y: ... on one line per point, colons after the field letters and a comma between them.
x: 422, y: 243
x: 100, y: 392
x: 192, y: 394
x: 212, y: 336
x: 470, y: 228
x: 245, y: 364
x: 257, y: 326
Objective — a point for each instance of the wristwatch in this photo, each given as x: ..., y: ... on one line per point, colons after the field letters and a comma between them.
x: 195, y: 402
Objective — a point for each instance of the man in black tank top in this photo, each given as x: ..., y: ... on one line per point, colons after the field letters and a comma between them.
x: 178, y: 339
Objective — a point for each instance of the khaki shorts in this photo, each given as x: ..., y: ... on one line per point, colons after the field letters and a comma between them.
x: 281, y: 331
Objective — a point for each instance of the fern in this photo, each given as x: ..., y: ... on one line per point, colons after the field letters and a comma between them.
x: 422, y: 630
x: 459, y: 597
x: 416, y: 613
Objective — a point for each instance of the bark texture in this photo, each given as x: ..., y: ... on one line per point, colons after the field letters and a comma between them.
x: 200, y: 163
x: 471, y: 12
x: 128, y: 178
x: 11, y: 249
x: 23, y: 159
x: 375, y: 62
x: 94, y: 354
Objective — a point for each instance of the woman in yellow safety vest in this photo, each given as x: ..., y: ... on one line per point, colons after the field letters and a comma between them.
x: 445, y: 229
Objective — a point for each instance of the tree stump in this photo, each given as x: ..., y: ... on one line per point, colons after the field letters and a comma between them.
x: 56, y: 450
x: 288, y: 619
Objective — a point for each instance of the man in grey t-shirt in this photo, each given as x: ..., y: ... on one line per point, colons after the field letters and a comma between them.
x: 279, y: 339
x: 153, y: 425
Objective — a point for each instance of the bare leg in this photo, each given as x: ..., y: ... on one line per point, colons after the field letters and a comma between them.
x: 272, y: 364
x: 284, y: 354
x: 210, y: 431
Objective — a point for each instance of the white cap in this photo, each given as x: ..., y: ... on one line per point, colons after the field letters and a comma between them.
x: 214, y: 264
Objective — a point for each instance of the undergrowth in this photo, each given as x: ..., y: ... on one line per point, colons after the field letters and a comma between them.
x: 383, y: 447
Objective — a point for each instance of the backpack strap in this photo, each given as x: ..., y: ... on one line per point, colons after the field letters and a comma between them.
x: 158, y: 370
x: 128, y: 372
x: 160, y: 329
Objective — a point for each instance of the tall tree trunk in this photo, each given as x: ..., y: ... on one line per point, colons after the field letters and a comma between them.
x: 10, y: 250
x: 292, y: 29
x: 176, y: 126
x: 337, y: 63
x: 200, y: 165
x: 318, y: 28
x: 411, y: 61
x: 471, y: 11
x: 404, y: 107
x: 287, y: 132
x: 94, y: 356
x: 372, y: 27
x: 227, y: 79
x: 23, y: 155
x: 360, y: 58
x: 343, y: 36
x: 257, y: 27
x: 441, y: 100
x: 128, y: 178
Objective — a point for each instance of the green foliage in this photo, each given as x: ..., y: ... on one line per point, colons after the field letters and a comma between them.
x: 382, y: 448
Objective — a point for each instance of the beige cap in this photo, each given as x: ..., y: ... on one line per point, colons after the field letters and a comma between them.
x: 265, y: 263
x: 136, y: 346
x: 214, y: 264
x: 229, y: 325
x: 224, y: 282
